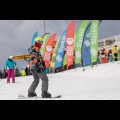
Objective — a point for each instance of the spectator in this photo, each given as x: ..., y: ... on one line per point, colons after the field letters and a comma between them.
x: 99, y: 57
x: 104, y: 59
x: 1, y: 74
x: 115, y: 53
x: 17, y: 72
x: 119, y: 53
x: 4, y: 74
x: 11, y: 65
x: 110, y: 58
x: 27, y: 71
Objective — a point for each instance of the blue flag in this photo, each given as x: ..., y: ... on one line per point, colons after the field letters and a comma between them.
x: 86, y: 58
x: 60, y: 50
x: 34, y: 36
x: 86, y: 48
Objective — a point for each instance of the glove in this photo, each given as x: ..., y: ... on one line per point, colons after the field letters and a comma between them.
x: 8, y: 68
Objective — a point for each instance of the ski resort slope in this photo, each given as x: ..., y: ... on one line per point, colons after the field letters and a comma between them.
x: 101, y: 82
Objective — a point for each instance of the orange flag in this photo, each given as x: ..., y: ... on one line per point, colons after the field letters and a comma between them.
x: 70, y: 44
x: 49, y: 50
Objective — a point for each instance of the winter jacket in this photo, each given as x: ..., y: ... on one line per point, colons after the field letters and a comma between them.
x: 10, y: 64
x: 115, y: 50
x: 23, y: 73
x: 36, y: 62
x: 110, y: 53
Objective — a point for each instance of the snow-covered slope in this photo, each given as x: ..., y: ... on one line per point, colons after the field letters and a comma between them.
x: 102, y: 82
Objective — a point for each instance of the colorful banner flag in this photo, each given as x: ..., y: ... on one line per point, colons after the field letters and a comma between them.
x: 86, y: 48
x: 49, y: 50
x: 94, y: 40
x: 34, y: 36
x: 52, y: 62
x: 70, y: 44
x: 60, y: 51
x: 74, y: 40
x: 64, y: 60
x: 78, y: 42
x: 45, y: 39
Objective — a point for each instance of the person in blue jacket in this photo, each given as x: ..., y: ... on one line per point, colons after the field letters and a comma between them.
x: 11, y: 65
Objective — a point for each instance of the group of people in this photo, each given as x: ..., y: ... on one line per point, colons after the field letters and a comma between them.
x: 105, y: 56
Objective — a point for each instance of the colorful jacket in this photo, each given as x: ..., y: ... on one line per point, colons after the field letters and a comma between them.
x: 36, y: 61
x: 10, y: 64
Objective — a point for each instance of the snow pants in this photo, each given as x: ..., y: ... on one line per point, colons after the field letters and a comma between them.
x: 10, y: 74
x: 110, y: 59
x: 37, y: 76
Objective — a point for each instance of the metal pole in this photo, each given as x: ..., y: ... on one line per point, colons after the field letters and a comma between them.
x: 44, y: 27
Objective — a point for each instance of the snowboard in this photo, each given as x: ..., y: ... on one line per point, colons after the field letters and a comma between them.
x: 38, y: 97
x: 18, y: 57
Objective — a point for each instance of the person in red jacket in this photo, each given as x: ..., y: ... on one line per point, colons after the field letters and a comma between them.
x: 104, y: 59
x: 110, y: 58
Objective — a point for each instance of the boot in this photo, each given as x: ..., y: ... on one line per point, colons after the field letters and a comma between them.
x: 46, y: 94
x: 32, y: 94
x: 13, y: 81
x: 8, y: 81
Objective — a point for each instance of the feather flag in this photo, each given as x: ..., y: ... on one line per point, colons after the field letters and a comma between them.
x: 86, y: 48
x: 49, y: 50
x: 94, y: 40
x: 60, y: 51
x: 52, y: 62
x: 34, y: 36
x: 45, y: 39
x: 78, y: 42
x: 70, y: 44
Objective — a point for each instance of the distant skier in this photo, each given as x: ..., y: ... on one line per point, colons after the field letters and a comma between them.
x: 37, y: 67
x: 110, y: 58
x: 11, y: 65
x: 115, y: 53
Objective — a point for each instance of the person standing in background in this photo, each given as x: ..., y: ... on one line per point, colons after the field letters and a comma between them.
x: 110, y: 58
x: 115, y: 53
x: 11, y: 65
x: 119, y: 53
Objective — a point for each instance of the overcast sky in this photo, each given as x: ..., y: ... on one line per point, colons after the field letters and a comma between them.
x: 16, y: 35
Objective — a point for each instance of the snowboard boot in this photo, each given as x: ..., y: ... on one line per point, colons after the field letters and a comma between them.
x: 32, y: 94
x: 8, y: 81
x: 13, y: 81
x: 46, y: 94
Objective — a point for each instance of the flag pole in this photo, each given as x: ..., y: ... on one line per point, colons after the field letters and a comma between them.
x: 44, y: 27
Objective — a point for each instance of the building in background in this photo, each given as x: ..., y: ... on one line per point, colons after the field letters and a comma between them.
x: 109, y: 42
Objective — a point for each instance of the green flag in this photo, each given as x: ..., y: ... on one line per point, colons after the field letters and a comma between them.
x: 94, y: 40
x: 78, y: 41
x: 45, y: 39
